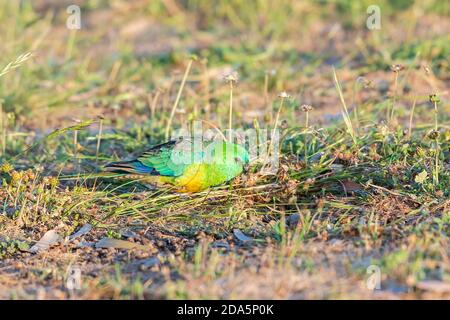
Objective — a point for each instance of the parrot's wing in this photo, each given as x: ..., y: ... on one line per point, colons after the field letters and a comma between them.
x: 166, y: 159
x: 172, y: 158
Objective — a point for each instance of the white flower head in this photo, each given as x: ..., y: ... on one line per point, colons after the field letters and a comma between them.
x: 284, y: 95
x: 306, y: 107
x: 231, y: 77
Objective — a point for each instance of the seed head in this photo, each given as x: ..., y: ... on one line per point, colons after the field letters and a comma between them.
x: 397, y: 68
x: 420, y: 152
x: 231, y: 77
x: 6, y: 167
x: 16, y: 176
x: 284, y: 95
x: 366, y: 83
x: 434, y: 98
x: 434, y: 134
x: 426, y: 69
x: 306, y: 107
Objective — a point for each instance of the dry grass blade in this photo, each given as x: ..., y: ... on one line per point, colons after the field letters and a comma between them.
x: 344, y: 111
x: 177, y: 100
x: 16, y: 63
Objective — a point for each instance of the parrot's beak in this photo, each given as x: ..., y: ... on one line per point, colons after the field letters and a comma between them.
x: 246, y: 168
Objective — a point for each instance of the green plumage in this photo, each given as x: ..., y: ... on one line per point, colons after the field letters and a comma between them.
x: 188, y: 165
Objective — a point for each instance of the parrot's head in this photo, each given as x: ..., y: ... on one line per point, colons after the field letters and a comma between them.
x: 241, y: 156
x: 229, y: 152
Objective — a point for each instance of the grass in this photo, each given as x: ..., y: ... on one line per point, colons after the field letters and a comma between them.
x: 351, y: 191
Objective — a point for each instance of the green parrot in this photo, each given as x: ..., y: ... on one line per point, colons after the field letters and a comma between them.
x: 189, y: 166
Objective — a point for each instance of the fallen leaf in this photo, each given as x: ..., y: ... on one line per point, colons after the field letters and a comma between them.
x: 240, y: 236
x: 142, y: 264
x: 127, y: 233
x: 118, y: 244
x: 82, y: 231
x: 434, y: 286
x: 49, y: 238
x: 292, y: 220
x: 351, y: 186
x: 220, y: 244
x: 150, y: 262
x: 86, y: 244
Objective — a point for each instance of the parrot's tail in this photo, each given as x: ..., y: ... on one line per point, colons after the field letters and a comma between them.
x: 132, y: 166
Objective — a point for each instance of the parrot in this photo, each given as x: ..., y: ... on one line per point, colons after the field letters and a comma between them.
x: 186, y: 164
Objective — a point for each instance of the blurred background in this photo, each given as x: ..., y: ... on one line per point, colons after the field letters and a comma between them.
x: 127, y: 60
x: 140, y: 44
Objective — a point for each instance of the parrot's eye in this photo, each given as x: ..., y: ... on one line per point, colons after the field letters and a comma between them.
x: 237, y: 159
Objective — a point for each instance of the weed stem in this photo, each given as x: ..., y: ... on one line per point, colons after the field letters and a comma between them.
x: 177, y: 100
